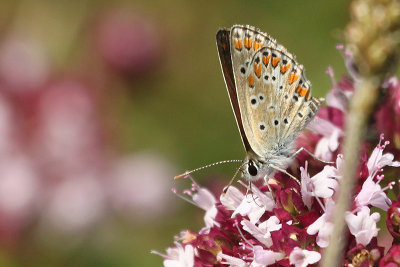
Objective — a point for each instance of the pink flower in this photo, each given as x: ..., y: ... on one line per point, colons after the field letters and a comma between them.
x: 255, y: 205
x: 232, y: 261
x: 371, y: 193
x: 206, y: 200
x: 392, y: 258
x: 363, y: 225
x: 321, y: 185
x: 179, y: 256
x: 323, y: 225
x: 378, y: 160
x: 302, y: 257
x: 393, y: 220
x: 264, y: 257
x: 262, y: 231
x: 329, y: 142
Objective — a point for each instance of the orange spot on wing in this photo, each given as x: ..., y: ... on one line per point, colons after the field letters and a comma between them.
x: 257, y: 70
x: 284, y: 68
x: 301, y: 91
x: 248, y: 42
x: 266, y: 60
x: 275, y: 61
x: 257, y: 45
x: 238, y: 44
x: 250, y: 79
x: 293, y: 77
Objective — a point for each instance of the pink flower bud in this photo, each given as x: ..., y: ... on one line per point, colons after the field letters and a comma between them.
x: 393, y: 221
x: 392, y: 257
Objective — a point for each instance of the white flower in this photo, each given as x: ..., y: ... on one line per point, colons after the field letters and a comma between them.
x: 255, y: 205
x: 302, y: 257
x: 262, y: 231
x: 320, y: 185
x: 371, y: 193
x: 206, y: 200
x: 378, y: 160
x: 265, y: 257
x: 232, y: 261
x: 323, y: 225
x: 329, y: 142
x: 232, y: 198
x: 179, y: 256
x: 363, y: 225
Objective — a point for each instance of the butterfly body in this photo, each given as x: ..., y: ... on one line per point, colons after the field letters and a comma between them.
x: 270, y: 97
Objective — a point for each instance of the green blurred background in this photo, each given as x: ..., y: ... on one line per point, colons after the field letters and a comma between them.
x: 165, y: 98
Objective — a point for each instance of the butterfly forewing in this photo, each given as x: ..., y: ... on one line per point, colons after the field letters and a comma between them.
x: 224, y: 52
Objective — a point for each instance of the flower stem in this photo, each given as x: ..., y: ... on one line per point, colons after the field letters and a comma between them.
x: 364, y: 99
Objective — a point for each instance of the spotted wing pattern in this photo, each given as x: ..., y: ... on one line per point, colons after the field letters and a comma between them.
x: 273, y: 94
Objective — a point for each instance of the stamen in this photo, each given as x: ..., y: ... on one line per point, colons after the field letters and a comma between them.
x: 182, y: 197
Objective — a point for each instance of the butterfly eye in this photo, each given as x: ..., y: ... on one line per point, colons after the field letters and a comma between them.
x: 252, y: 169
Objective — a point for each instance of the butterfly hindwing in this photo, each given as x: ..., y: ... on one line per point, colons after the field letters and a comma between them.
x: 273, y: 94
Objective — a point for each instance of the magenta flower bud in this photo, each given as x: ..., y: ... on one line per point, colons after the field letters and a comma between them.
x: 392, y: 257
x: 393, y: 220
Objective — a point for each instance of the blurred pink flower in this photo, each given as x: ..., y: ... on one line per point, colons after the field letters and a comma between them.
x: 128, y: 42
x: 67, y: 137
x: 19, y: 186
x: 75, y: 203
x: 24, y: 65
x: 137, y: 185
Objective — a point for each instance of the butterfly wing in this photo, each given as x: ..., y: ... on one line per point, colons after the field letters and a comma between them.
x: 224, y: 52
x: 273, y: 93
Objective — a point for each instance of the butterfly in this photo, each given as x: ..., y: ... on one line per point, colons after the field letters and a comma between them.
x: 270, y: 97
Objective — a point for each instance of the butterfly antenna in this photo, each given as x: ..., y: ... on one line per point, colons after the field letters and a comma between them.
x: 204, y: 167
x: 233, y: 178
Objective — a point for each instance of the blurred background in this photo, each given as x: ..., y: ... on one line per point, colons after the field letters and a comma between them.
x: 103, y: 102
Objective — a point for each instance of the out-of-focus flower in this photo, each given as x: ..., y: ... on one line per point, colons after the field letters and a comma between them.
x: 137, y: 183
x: 24, y: 66
x: 392, y: 257
x: 128, y: 42
x: 393, y: 220
x: 19, y: 186
x: 67, y: 128
x: 302, y: 257
x: 363, y: 225
x: 76, y: 203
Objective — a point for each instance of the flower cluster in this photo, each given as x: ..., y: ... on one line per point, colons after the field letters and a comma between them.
x: 292, y: 223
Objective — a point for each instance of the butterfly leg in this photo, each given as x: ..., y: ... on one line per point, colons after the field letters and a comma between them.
x: 269, y: 187
x: 285, y: 172
x: 311, y: 154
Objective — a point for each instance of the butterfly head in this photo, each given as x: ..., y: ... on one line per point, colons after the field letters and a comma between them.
x: 254, y: 168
